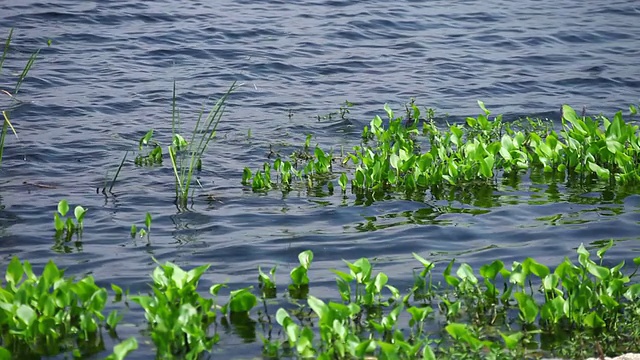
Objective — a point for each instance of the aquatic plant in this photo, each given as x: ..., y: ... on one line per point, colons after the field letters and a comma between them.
x: 6, y: 123
x: 142, y: 232
x: 186, y: 156
x: 391, y: 158
x: 51, y: 313
x: 121, y: 350
x: 586, y: 303
x: 149, y: 150
x: 112, y: 183
x: 267, y: 283
x: 522, y: 310
x: 66, y: 227
x: 178, y: 316
x: 299, y: 287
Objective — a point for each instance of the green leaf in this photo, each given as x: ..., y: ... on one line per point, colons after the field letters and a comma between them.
x: 388, y: 111
x: 343, y: 181
x: 380, y: 281
x: 614, y: 146
x: 465, y: 272
x: 58, y: 223
x: 457, y: 331
x: 5, y: 354
x: 145, y: 139
x: 593, y: 320
x: 491, y: 271
x: 299, y: 276
x: 633, y: 292
x: 428, y: 265
x: 15, y: 271
x: 600, y: 171
x: 241, y: 301
x: 51, y: 273
x: 512, y: 340
x: 121, y: 350
x: 147, y: 221
x: 63, y: 207
x: 600, y: 253
x: 481, y: 104
x: 305, y: 258
x: 113, y: 319
x: 215, y: 289
x: 26, y: 314
x: 536, y: 268
x: 318, y: 306
x: 427, y: 353
x: 282, y: 316
x: 79, y: 213
x: 600, y: 272
x: 528, y: 307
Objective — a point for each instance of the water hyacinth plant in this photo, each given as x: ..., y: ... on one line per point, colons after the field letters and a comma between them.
x: 503, y: 311
x: 65, y: 226
x: 400, y: 155
x: 178, y: 316
x: 50, y: 313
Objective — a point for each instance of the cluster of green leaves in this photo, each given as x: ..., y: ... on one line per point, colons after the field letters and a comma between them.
x: 584, y: 302
x: 303, y: 164
x: 51, y: 313
x: 390, y: 157
x: 149, y: 150
x: 66, y: 227
x: 498, y: 313
x: 178, y: 316
x: 142, y: 232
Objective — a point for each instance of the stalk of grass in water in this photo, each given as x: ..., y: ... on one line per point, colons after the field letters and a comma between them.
x: 203, y: 132
x: 6, y: 124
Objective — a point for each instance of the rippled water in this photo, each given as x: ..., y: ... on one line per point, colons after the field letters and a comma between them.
x: 107, y: 78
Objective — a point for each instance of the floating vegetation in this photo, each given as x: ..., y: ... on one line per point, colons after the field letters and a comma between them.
x: 501, y: 311
x: 51, y: 314
x: 390, y: 157
x: 65, y: 226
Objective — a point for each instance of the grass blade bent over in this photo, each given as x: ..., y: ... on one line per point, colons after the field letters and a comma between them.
x: 187, y: 156
x: 6, y: 123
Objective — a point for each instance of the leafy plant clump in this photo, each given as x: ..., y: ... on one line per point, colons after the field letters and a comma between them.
x: 185, y: 155
x: 51, y: 314
x: 390, y: 157
x: 556, y: 312
x: 65, y: 226
x: 516, y: 311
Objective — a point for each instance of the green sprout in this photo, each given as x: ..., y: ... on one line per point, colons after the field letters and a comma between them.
x: 66, y: 227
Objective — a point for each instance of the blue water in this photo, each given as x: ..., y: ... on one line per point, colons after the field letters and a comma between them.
x: 107, y: 78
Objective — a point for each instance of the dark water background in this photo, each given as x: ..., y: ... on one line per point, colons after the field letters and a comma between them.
x: 107, y: 79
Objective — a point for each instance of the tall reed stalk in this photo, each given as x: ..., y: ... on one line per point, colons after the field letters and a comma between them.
x: 186, y: 157
x: 6, y: 123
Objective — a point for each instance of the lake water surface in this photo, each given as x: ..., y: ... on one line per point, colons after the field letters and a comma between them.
x: 108, y: 75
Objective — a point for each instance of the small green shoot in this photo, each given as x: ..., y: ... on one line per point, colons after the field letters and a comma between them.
x: 66, y: 227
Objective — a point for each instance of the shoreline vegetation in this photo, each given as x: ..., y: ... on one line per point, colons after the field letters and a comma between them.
x: 526, y: 309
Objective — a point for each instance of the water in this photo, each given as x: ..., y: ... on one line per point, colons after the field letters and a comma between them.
x: 107, y: 79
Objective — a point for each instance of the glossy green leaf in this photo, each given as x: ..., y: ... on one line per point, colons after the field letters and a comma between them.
x: 63, y: 207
